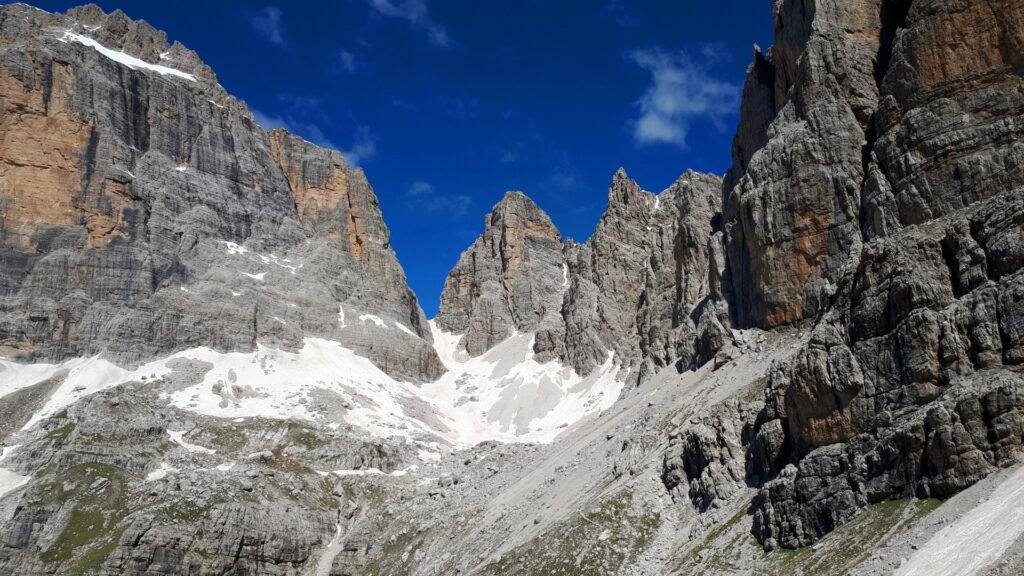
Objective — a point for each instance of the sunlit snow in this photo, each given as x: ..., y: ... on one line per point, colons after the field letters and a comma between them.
x: 504, y: 395
x: 122, y: 58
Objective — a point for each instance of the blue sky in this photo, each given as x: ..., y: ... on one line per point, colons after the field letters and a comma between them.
x: 448, y: 104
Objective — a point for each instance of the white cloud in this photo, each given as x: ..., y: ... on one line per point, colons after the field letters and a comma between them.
x: 682, y: 89
x: 268, y: 22
x: 416, y: 13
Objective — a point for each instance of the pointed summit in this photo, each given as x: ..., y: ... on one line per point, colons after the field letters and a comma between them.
x: 509, y: 280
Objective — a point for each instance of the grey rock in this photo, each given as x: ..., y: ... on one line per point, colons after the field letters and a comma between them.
x: 126, y: 186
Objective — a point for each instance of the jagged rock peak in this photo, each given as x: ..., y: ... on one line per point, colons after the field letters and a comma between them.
x: 629, y: 290
x: 510, y: 279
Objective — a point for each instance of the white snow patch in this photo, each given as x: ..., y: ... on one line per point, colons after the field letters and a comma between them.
x: 160, y: 472
x: 404, y: 471
x: 256, y: 276
x: 283, y: 263
x: 364, y: 318
x: 236, y: 294
x: 183, y: 289
x: 10, y: 481
x: 233, y: 248
x: 279, y: 320
x: 225, y: 466
x: 975, y: 540
x: 406, y: 329
x: 181, y: 168
x: 125, y: 59
x: 7, y: 451
x: 359, y: 472
x: 84, y: 376
x: 565, y: 275
x: 428, y: 456
x: 178, y: 436
x: 341, y: 316
x: 216, y: 104
x: 504, y: 394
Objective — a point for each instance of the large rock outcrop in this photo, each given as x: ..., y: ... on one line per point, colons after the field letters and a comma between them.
x: 792, y: 198
x: 511, y: 279
x: 876, y: 190
x: 637, y: 288
x: 142, y: 210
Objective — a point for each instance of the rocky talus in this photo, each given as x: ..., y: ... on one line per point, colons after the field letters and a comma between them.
x: 143, y: 211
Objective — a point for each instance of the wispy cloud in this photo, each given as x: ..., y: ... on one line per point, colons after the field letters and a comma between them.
x: 302, y: 128
x: 363, y: 147
x: 563, y: 180
x: 347, y: 60
x: 422, y: 196
x: 620, y: 13
x: 303, y: 117
x: 416, y: 13
x: 268, y: 22
x: 682, y: 90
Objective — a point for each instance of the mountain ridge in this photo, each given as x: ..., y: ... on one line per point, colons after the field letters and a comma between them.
x: 807, y: 365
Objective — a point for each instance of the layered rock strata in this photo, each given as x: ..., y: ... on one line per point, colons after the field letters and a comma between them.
x: 142, y: 210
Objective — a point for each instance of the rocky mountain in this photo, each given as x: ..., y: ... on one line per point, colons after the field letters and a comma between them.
x: 145, y: 212
x: 212, y: 363
x: 637, y: 289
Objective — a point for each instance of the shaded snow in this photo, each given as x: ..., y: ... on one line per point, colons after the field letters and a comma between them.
x: 975, y: 540
x: 125, y: 59
x: 10, y: 481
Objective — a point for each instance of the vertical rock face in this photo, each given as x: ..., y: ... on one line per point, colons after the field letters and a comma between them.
x: 638, y: 279
x: 143, y: 211
x: 793, y: 196
x: 633, y: 289
x: 511, y: 279
x: 883, y: 197
x: 948, y: 126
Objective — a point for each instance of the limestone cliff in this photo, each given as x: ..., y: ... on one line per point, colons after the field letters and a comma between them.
x: 637, y: 288
x: 143, y: 211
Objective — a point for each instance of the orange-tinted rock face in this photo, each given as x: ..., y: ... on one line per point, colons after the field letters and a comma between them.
x: 40, y: 144
x: 968, y: 43
x: 321, y: 194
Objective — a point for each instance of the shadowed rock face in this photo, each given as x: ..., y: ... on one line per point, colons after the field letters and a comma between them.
x: 792, y: 198
x: 637, y: 288
x: 144, y: 212
x: 876, y: 188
